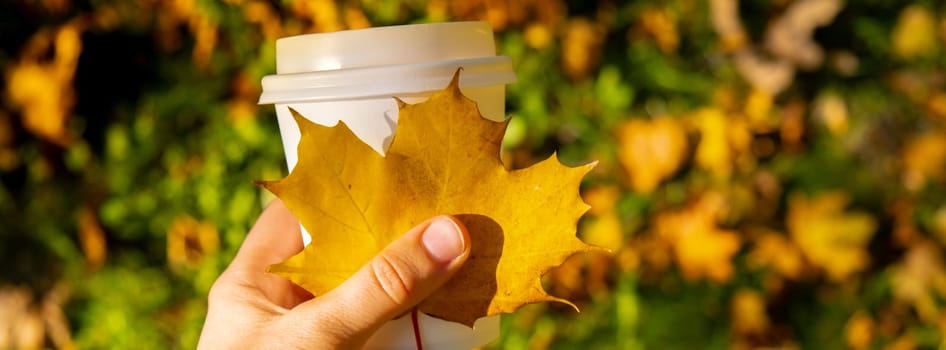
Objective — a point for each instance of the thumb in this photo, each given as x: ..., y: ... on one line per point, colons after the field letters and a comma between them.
x: 393, y: 282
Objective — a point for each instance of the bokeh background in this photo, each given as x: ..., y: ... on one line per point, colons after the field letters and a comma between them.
x: 772, y: 173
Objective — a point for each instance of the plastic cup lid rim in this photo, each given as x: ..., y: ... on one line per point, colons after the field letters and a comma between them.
x: 384, y: 81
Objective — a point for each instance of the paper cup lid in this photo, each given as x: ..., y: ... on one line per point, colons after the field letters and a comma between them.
x: 384, y: 61
x: 356, y: 83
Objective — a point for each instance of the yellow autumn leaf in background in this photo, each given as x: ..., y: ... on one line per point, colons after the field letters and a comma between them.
x: 936, y: 104
x: 748, y: 313
x: 758, y: 108
x: 700, y: 247
x: 444, y: 159
x: 189, y: 241
x: 581, y: 46
x: 722, y: 141
x: 538, y: 36
x: 832, y: 111
x: 261, y: 13
x: 713, y: 153
x: 43, y: 90
x: 829, y: 237
x: 604, y: 232
x: 91, y: 238
x: 651, y: 151
x: 859, y: 331
x: 938, y: 224
x: 915, y: 33
x: 603, y: 227
x: 903, y: 342
x: 601, y: 199
x: 924, y: 159
x: 920, y: 280
x: 775, y: 251
x: 661, y: 24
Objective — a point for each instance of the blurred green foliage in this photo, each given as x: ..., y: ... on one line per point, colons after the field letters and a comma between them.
x: 772, y: 173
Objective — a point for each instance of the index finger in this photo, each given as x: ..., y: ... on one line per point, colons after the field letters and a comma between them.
x: 274, y: 237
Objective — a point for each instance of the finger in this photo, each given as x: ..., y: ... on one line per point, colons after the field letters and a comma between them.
x: 275, y: 237
x: 400, y: 277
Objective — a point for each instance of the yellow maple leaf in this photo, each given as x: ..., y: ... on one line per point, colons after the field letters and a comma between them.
x: 758, y: 111
x: 775, y: 251
x: 723, y: 141
x: 830, y: 238
x: 190, y: 241
x: 920, y: 280
x: 661, y: 24
x: 748, y: 313
x: 938, y: 224
x: 603, y: 226
x: 915, y: 33
x: 924, y: 160
x: 859, y: 331
x: 43, y: 90
x: 651, y: 151
x: 444, y: 159
x: 714, y: 152
x: 602, y: 199
x: 604, y: 231
x: 538, y: 36
x: 700, y: 247
x: 581, y: 48
x: 832, y: 111
x: 91, y: 238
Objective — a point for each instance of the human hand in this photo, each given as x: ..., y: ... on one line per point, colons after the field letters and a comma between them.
x: 249, y: 308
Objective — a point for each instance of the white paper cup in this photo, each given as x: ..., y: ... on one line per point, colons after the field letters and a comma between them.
x: 353, y: 76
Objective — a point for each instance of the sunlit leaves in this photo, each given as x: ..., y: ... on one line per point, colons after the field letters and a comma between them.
x: 661, y: 24
x: 581, y: 48
x: 43, y: 90
x: 832, y: 112
x: 778, y: 253
x: 701, y: 248
x: 920, y: 280
x: 859, y: 331
x: 723, y: 140
x: 748, y: 313
x: 830, y: 237
x: 190, y: 242
x: 915, y: 33
x: 651, y: 150
x: 924, y: 160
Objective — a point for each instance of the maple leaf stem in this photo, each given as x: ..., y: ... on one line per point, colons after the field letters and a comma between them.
x: 416, y: 325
